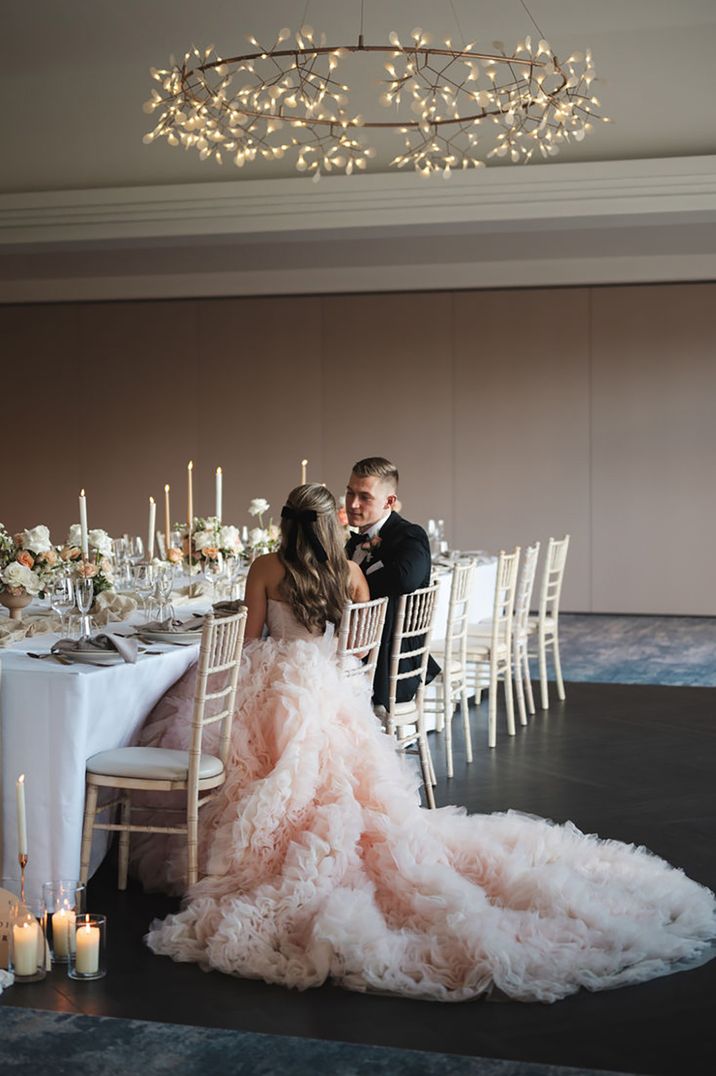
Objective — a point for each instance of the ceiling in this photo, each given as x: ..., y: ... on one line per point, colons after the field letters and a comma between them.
x: 78, y: 74
x: 87, y: 211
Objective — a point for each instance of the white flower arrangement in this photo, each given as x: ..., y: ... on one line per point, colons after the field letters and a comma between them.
x: 27, y: 560
x: 262, y: 539
x: 209, y: 536
x: 98, y: 540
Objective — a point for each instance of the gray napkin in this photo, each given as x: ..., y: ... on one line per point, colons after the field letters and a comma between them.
x: 127, y: 648
x: 194, y: 623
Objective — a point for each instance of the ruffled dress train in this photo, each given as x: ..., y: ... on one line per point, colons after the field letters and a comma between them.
x: 320, y: 863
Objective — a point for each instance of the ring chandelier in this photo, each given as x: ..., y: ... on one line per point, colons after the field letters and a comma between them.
x: 288, y: 98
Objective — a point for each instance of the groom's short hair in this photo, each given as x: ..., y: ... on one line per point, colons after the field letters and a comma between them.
x: 377, y: 467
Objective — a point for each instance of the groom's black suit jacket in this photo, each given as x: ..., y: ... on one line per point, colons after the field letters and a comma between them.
x: 404, y: 565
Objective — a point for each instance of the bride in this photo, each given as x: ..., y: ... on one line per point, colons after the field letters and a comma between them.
x: 320, y: 863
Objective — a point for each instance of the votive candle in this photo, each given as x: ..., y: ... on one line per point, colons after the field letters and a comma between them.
x: 87, y: 953
x: 63, y: 932
x: 25, y: 940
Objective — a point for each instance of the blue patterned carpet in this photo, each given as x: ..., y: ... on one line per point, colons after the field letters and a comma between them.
x: 676, y: 650
x: 67, y: 1044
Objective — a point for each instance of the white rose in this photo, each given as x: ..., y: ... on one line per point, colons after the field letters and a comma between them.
x: 74, y: 536
x: 101, y: 541
x: 257, y: 537
x: 37, y: 539
x: 202, y: 539
x: 229, y: 538
x: 274, y: 532
x: 17, y: 575
x: 258, y: 506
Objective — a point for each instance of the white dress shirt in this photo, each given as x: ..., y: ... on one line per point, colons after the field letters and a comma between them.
x: 359, y: 554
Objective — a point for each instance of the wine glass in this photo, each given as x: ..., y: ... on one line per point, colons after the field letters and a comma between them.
x: 143, y: 582
x: 136, y: 550
x: 214, y: 571
x: 234, y: 574
x: 164, y: 584
x: 62, y: 597
x: 84, y: 596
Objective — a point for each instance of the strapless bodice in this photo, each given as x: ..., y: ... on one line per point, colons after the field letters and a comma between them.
x: 282, y: 624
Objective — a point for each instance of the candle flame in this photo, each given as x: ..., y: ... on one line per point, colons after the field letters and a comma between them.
x: 151, y: 500
x: 218, y: 470
x: 304, y: 463
x: 82, y: 493
x: 21, y: 779
x: 166, y: 489
x: 190, y: 465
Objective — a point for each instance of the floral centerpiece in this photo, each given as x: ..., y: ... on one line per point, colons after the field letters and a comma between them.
x: 27, y: 562
x: 262, y: 539
x: 98, y: 566
x: 209, y: 537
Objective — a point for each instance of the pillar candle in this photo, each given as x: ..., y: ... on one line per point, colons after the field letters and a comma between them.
x: 304, y: 465
x: 63, y: 932
x: 219, y: 493
x: 151, y: 528
x: 190, y: 493
x: 167, y: 518
x: 25, y: 940
x: 87, y: 955
x: 83, y: 525
x: 21, y: 816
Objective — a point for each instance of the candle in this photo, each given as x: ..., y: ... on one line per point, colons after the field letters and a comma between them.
x: 26, y: 939
x: 304, y: 465
x: 190, y: 493
x: 151, y: 528
x: 21, y: 816
x: 83, y: 525
x: 63, y: 932
x: 87, y: 942
x: 219, y: 492
x: 167, y: 517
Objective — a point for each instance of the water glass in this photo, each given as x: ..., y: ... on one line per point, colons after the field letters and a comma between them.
x: 143, y: 582
x: 62, y: 597
x: 164, y: 585
x: 214, y: 571
x: 135, y: 550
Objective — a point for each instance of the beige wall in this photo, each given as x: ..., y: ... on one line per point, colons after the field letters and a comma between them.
x: 513, y: 415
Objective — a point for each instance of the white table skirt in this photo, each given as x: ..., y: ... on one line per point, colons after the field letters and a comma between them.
x: 53, y: 718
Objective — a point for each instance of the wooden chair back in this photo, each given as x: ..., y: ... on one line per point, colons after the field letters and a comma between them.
x: 552, y: 576
x: 413, y: 625
x: 220, y: 652
x: 504, y: 602
x: 458, y: 617
x: 525, y: 589
x: 359, y: 637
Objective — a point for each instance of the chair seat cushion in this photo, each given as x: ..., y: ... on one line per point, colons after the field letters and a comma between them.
x: 482, y: 646
x: 151, y: 764
x: 402, y: 709
x: 439, y: 649
x: 533, y: 623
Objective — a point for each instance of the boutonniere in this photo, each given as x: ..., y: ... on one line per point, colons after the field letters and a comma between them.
x: 371, y: 547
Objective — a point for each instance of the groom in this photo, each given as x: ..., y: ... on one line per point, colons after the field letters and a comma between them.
x: 394, y: 556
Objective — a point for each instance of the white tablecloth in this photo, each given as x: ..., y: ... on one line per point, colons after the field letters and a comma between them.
x: 53, y: 718
x: 481, y: 599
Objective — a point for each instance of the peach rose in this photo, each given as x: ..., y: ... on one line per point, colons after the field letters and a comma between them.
x: 87, y: 570
x: 70, y: 552
x: 49, y: 558
x: 174, y: 555
x: 105, y: 566
x: 25, y: 558
x: 210, y: 552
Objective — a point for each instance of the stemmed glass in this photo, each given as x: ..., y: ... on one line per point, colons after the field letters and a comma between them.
x: 164, y: 584
x: 136, y: 550
x: 214, y: 571
x: 84, y: 596
x: 62, y: 598
x: 143, y: 580
x: 234, y: 573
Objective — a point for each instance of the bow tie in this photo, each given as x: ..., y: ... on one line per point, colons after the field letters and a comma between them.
x: 353, y: 543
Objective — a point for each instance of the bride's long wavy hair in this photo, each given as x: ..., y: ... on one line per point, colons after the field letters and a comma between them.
x: 317, y: 591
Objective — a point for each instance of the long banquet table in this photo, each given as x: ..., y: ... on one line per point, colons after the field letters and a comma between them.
x: 54, y: 717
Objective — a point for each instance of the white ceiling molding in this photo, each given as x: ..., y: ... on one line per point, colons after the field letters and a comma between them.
x: 553, y: 194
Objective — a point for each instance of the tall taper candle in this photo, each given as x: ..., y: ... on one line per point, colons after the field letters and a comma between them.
x: 304, y: 465
x: 21, y: 816
x: 219, y: 493
x: 190, y: 493
x: 151, y: 528
x: 83, y: 525
x: 167, y: 518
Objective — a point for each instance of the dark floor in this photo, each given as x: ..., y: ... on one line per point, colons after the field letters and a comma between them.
x: 631, y: 762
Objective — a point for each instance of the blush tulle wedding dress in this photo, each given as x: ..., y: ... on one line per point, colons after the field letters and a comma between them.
x: 320, y: 863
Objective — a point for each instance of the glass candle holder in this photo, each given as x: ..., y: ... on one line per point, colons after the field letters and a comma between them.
x: 9, y: 899
x: 27, y: 942
x: 64, y: 903
x: 87, y: 957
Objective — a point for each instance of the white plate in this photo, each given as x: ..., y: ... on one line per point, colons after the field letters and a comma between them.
x: 182, y: 638
x: 92, y: 657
